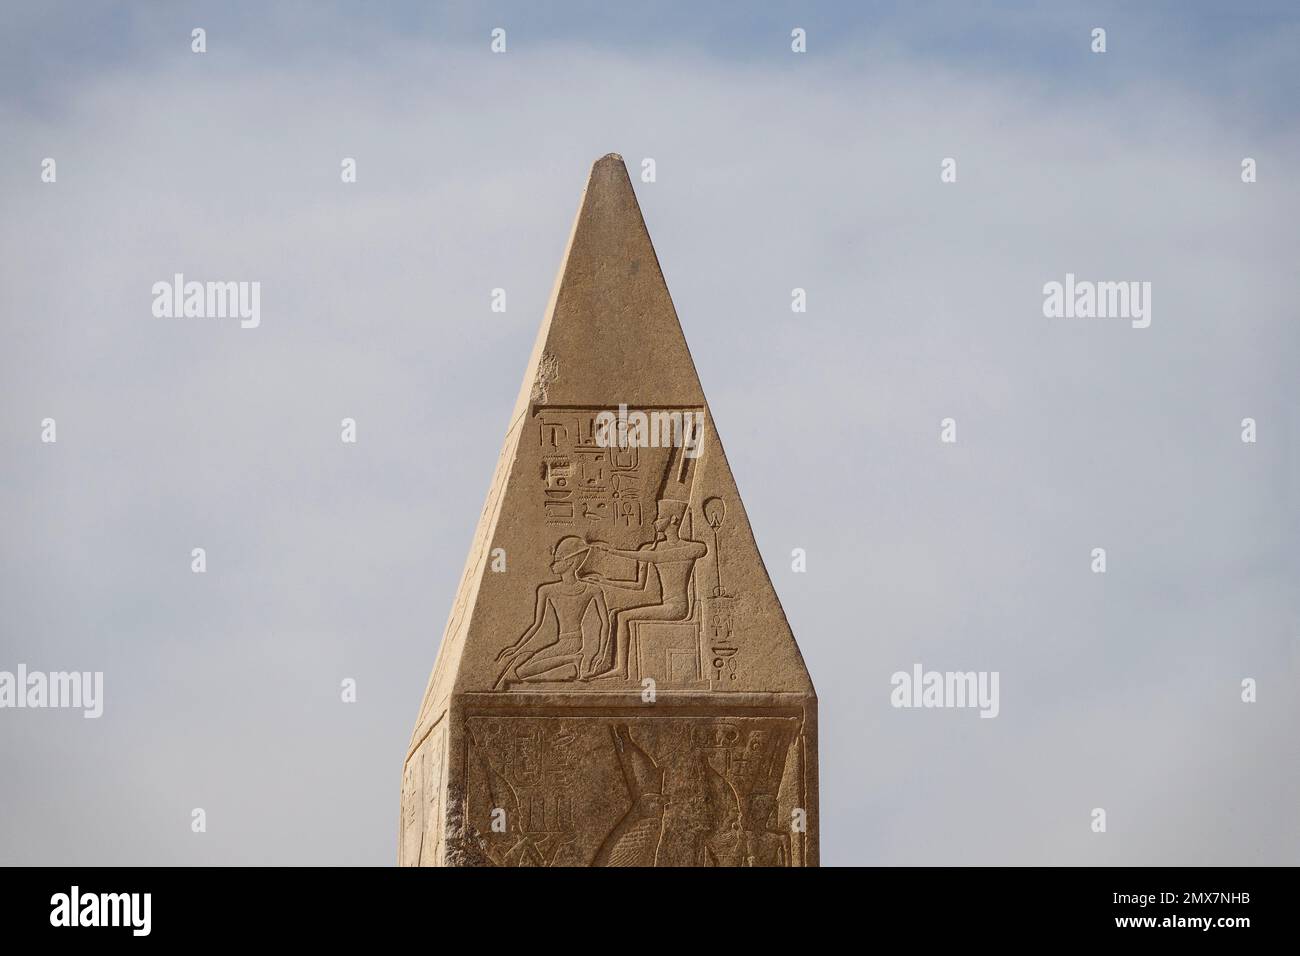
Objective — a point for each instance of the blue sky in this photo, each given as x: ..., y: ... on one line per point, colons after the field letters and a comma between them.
x: 1225, y: 49
x: 775, y: 171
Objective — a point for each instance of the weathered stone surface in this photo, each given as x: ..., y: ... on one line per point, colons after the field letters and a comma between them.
x: 617, y: 685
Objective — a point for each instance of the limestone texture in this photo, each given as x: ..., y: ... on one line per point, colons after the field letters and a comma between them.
x: 617, y: 684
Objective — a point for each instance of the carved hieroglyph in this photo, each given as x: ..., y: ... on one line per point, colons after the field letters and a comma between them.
x: 617, y: 684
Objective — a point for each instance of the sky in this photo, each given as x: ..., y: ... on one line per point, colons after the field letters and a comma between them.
x: 774, y: 171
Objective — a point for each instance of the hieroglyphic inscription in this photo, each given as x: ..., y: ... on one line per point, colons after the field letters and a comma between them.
x: 659, y: 791
x: 423, y: 801
x: 624, y: 600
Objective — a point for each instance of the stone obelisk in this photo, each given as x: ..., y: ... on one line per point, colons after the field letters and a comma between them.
x: 617, y: 683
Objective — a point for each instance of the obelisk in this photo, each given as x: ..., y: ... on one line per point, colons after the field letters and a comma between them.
x: 617, y: 683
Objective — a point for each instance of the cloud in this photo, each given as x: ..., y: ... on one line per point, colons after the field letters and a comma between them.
x: 329, y: 561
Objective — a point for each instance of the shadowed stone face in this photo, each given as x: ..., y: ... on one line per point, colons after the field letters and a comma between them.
x: 617, y: 684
